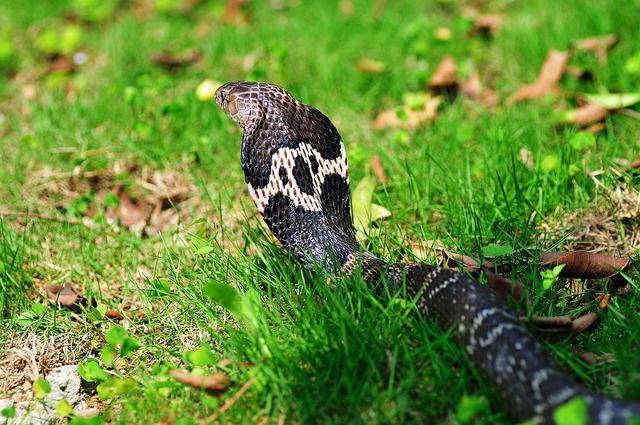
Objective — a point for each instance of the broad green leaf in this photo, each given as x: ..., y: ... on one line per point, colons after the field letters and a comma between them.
x: 129, y: 345
x: 41, y: 388
x: 202, y: 356
x: 226, y: 296
x: 414, y: 100
x: 582, y: 140
x: 115, y: 335
x: 614, y: 100
x: 550, y: 163
x: 64, y: 408
x: 496, y: 250
x: 469, y: 407
x: 632, y: 66
x: 200, y: 246
x: 573, y: 412
x: 364, y: 211
x: 9, y: 412
x: 115, y: 386
x: 549, y: 277
x: 90, y: 371
x: 108, y: 354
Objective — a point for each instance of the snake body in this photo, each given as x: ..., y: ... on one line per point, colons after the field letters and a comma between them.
x: 295, y: 166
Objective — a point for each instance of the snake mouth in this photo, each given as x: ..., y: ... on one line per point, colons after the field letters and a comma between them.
x: 234, y: 99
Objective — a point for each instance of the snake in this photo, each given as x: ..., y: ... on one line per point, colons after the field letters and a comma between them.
x: 295, y: 166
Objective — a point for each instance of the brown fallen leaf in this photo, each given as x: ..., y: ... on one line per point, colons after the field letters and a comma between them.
x: 445, y: 77
x: 172, y: 61
x: 550, y: 322
x: 61, y: 64
x: 132, y: 214
x: 235, y: 13
x: 474, y: 90
x: 584, y: 264
x: 584, y: 322
x: 636, y: 163
x: 378, y: 169
x: 604, y: 301
x: 526, y: 158
x: 504, y: 288
x: 113, y: 314
x: 65, y: 295
x: 452, y: 259
x: 588, y: 357
x: 486, y: 25
x: 562, y: 324
x: 548, y: 78
x: 346, y: 8
x: 215, y: 382
x: 408, y: 118
x: 596, y: 128
x: 370, y: 66
x: 599, y: 45
x: 585, y: 115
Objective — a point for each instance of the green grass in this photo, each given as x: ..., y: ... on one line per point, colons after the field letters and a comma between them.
x: 319, y: 353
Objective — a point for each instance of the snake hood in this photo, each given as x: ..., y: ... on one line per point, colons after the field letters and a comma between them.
x: 295, y: 166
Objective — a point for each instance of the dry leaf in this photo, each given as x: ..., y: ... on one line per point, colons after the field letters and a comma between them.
x: 61, y: 64
x: 585, y: 265
x: 548, y: 78
x: 486, y: 25
x: 346, y: 8
x: 445, y: 77
x: 370, y: 66
x: 596, y: 128
x: 214, y: 382
x: 408, y: 118
x: 474, y: 89
x: 504, y: 288
x: 378, y: 170
x: 526, y: 157
x: 561, y: 324
x: 599, y: 45
x: 171, y: 61
x: 550, y: 322
x: 584, y: 322
x: 114, y: 315
x: 65, y: 295
x: 235, y: 14
x: 585, y: 115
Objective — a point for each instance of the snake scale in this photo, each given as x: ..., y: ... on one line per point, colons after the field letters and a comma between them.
x: 295, y: 166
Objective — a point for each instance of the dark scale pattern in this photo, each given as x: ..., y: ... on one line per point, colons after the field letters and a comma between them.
x: 499, y: 345
x: 302, y: 175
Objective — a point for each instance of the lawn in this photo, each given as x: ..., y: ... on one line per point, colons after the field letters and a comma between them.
x: 122, y: 181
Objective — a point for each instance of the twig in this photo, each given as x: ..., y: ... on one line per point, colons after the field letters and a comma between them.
x: 230, y: 402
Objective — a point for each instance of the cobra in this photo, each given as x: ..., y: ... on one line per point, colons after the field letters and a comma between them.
x: 295, y: 166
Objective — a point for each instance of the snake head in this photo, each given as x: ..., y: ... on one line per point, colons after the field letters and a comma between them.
x: 241, y: 101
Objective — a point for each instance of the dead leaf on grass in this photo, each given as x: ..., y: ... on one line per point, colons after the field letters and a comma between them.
x: 378, y: 169
x: 585, y: 115
x: 504, y: 288
x: 445, y: 77
x: 215, y: 382
x: 548, y: 78
x: 584, y: 264
x: 486, y: 25
x: 61, y: 64
x: 370, y: 66
x: 564, y: 324
x: 599, y: 45
x: 235, y: 13
x: 526, y: 158
x: 171, y: 61
x: 407, y: 117
x: 65, y: 295
x: 474, y: 90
